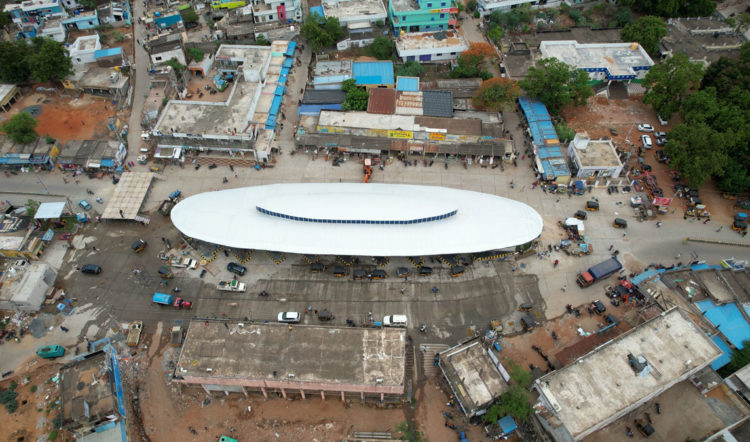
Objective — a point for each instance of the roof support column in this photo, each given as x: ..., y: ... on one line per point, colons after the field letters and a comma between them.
x: 263, y: 390
x: 283, y: 393
x: 244, y: 391
x: 302, y: 393
x: 342, y: 397
x: 206, y: 389
x: 322, y: 395
x: 362, y: 396
x: 382, y: 397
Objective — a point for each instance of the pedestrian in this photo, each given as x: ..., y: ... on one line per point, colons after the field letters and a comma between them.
x: 610, y: 247
x: 564, y: 287
x: 624, y: 234
x: 94, y: 247
x: 402, y: 290
x: 424, y: 348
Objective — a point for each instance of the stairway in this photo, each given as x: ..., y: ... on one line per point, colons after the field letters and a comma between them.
x: 428, y: 358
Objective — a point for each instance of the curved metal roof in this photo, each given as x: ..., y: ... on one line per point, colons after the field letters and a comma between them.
x: 357, y: 219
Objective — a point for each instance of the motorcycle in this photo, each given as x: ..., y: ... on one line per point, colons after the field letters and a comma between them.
x: 263, y: 293
x: 423, y: 328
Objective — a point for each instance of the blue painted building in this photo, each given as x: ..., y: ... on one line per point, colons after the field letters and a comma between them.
x: 30, y: 15
x: 82, y: 20
x: 551, y: 162
x: 373, y: 74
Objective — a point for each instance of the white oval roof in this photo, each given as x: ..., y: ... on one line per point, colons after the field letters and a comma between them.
x: 357, y: 219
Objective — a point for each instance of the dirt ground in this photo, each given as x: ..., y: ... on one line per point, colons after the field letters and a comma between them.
x: 68, y: 119
x: 198, y: 84
x: 600, y: 114
x: 36, y: 409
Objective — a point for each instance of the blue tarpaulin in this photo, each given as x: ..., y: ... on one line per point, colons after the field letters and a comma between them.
x: 726, y: 353
x: 279, y: 91
x: 290, y: 49
x: 728, y: 319
x: 507, y: 424
x: 314, y: 109
x: 373, y: 72
x: 287, y: 63
x: 107, y: 162
x: 318, y: 10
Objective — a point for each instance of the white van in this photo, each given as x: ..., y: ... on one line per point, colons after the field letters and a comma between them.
x: 395, y: 321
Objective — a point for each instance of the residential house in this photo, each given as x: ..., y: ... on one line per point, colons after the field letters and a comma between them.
x: 166, y: 47
x: 422, y: 15
x: 265, y: 11
x: 83, y: 49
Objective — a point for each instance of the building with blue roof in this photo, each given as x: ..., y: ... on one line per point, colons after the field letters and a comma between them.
x: 373, y: 74
x: 407, y: 84
x: 551, y: 160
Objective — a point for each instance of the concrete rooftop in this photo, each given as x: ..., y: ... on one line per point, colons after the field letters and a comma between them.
x: 313, y: 354
x: 345, y: 9
x: 87, y: 380
x: 253, y: 57
x: 405, y: 5
x: 618, y: 58
x: 601, y: 384
x: 472, y: 375
x: 197, y: 117
x: 598, y: 153
x: 431, y: 40
x: 101, y: 78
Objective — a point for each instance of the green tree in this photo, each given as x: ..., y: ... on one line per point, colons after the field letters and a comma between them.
x: 31, y: 207
x: 321, y: 33
x: 700, y: 106
x: 735, y: 178
x: 4, y: 19
x: 356, y: 96
x: 667, y: 83
x: 647, y: 31
x: 178, y: 67
x: 14, y: 63
x: 495, y: 93
x: 261, y: 40
x: 740, y: 23
x: 382, y: 48
x: 740, y: 358
x: 624, y: 16
x: 471, y: 5
x: 697, y: 151
x: 672, y: 8
x: 557, y: 84
x: 410, y: 69
x: 189, y: 16
x: 495, y: 34
x: 49, y: 61
x: 88, y: 4
x: 515, y: 401
x: 196, y: 54
x: 564, y: 132
x: 20, y: 128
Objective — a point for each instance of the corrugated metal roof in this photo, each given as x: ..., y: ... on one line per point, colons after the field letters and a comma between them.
x: 315, y: 96
x: 382, y: 101
x: 407, y: 84
x: 314, y: 109
x: 437, y: 103
x: 373, y: 72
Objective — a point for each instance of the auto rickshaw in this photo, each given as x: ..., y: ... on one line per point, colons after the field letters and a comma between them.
x: 592, y: 206
x: 339, y: 271
x: 525, y: 307
x: 739, y: 225
x: 580, y: 214
x: 620, y: 223
x: 165, y: 272
x: 138, y: 245
x: 378, y: 274
x: 317, y: 267
x: 325, y: 315
x: 402, y: 272
x: 457, y: 271
x: 359, y: 274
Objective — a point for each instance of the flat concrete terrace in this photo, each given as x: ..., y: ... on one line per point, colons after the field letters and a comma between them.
x: 431, y: 40
x: 472, y: 376
x: 298, y: 357
x: 349, y: 10
x: 405, y: 5
x: 617, y: 58
x: 128, y: 196
x: 598, y: 153
x: 253, y: 56
x: 197, y: 117
x: 602, y: 386
x: 102, y: 78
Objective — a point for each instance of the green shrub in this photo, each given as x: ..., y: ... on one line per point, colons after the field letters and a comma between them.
x: 477, y: 14
x: 33, y: 389
x: 52, y: 435
x: 7, y: 396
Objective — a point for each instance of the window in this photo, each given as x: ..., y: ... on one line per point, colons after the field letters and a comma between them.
x: 432, y: 18
x: 442, y: 15
x: 453, y: 53
x: 429, y: 5
x: 442, y: 4
x: 403, y: 17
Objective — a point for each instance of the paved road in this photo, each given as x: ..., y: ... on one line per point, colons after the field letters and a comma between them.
x: 140, y: 81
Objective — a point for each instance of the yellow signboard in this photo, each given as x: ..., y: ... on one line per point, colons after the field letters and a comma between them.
x: 437, y: 136
x: 401, y: 134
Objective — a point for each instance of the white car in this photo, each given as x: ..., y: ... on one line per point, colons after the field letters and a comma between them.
x: 645, y: 127
x: 288, y: 317
x: 660, y: 134
x: 646, y: 141
x: 395, y: 321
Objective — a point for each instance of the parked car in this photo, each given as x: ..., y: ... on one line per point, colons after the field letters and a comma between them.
x: 91, y: 269
x: 317, y: 267
x: 660, y: 134
x: 291, y: 317
x: 645, y: 127
x: 646, y: 140
x: 660, y: 141
x: 402, y: 272
x: 378, y: 274
x: 662, y: 121
x: 236, y: 268
x: 84, y: 205
x: 425, y: 271
x: 395, y: 321
x: 359, y: 274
